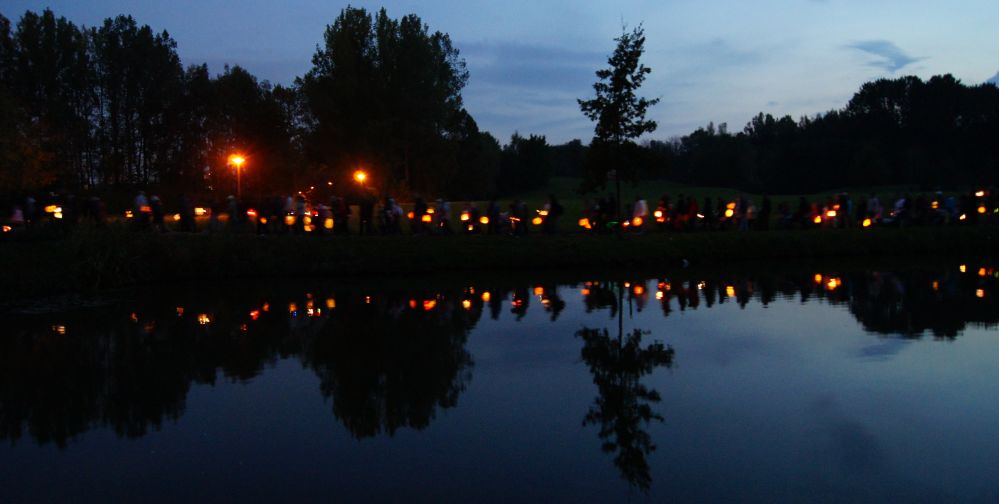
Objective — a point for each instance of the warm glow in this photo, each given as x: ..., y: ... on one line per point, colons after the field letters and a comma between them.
x: 539, y: 291
x: 980, y: 194
x: 465, y: 216
x: 176, y: 217
x: 730, y: 206
x: 963, y: 268
x: 729, y: 213
x: 328, y: 223
x: 200, y: 212
x: 543, y: 213
x: 537, y: 221
x: 936, y: 285
x: 484, y: 220
x: 982, y: 272
x: 255, y: 314
x: 431, y: 211
x: 638, y: 290
x: 486, y: 297
x: 204, y: 319
x: 429, y: 304
x: 289, y: 220
x: 427, y: 218
x: 658, y: 214
x: 57, y: 215
x: 292, y: 307
x: 981, y: 209
x: 367, y: 299
x: 833, y: 283
x: 585, y: 223
x: 251, y: 213
x: 831, y: 214
x: 817, y: 219
x: 867, y: 223
x: 980, y: 293
x: 659, y: 295
x: 128, y: 214
x: 411, y: 215
x: 360, y: 176
x: 331, y: 303
x: 935, y: 204
x: 51, y: 209
x: 818, y: 278
x: 730, y: 291
x: 307, y: 220
x: 466, y: 304
x: 412, y: 304
x: 237, y: 160
x: 637, y: 221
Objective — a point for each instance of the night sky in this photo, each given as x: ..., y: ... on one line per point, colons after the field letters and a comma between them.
x: 712, y: 60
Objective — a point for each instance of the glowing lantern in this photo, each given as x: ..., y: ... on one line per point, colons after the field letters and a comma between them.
x: 818, y: 278
x: 427, y: 218
x: 936, y: 285
x: 980, y: 293
x: 817, y: 219
x: 963, y: 268
x: 7, y: 229
x: 328, y: 223
x: 539, y: 291
x: 658, y: 214
x: 430, y: 211
x: 537, y: 221
x: 935, y: 204
x: 867, y: 223
x: 981, y: 209
x: 307, y: 220
x: 289, y: 220
x: 412, y: 304
x: 128, y: 214
x: 429, y: 304
x: 730, y: 205
x: 833, y: 283
x: 367, y: 299
x: 57, y: 215
x: 292, y: 307
x: 729, y: 213
x: 204, y: 319
x: 543, y: 213
x: 360, y: 176
x: 626, y: 224
x: 146, y: 209
x: 637, y: 221
x: 585, y: 292
x: 585, y: 223
x: 963, y: 217
x: 263, y: 220
x: 730, y: 291
x: 470, y: 228
x: 410, y: 215
x: 200, y: 212
x: 831, y: 214
x: 255, y: 314
x: 251, y: 213
x: 180, y: 311
x: 466, y: 304
x: 465, y: 217
x: 659, y: 295
x: 484, y: 220
x: 51, y: 209
x: 176, y: 217
x: 980, y: 194
x: 982, y: 272
x: 308, y: 228
x: 331, y: 303
x: 486, y: 297
x: 638, y: 290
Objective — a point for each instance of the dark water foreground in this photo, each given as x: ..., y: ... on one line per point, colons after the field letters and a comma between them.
x: 853, y: 385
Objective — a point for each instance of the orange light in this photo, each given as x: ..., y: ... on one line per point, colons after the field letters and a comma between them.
x: 471, y: 227
x: 360, y: 176
x: 7, y: 229
x: 539, y: 291
x: 331, y: 303
x: 200, y: 212
x: 638, y: 290
x: 729, y: 213
x: 367, y: 299
x: 730, y: 291
x: 237, y: 160
x: 289, y: 220
x: 637, y: 222
x: 543, y: 213
x: 585, y: 223
x: 963, y: 217
x: 429, y: 304
x: 935, y: 204
x: 204, y: 319
x: 484, y: 220
x: 936, y: 285
x: 180, y: 311
x: 982, y: 272
x: 980, y: 293
x: 658, y: 214
x: 963, y: 268
x: 867, y: 223
x: 465, y: 216
x: 128, y: 214
x: 730, y: 205
x: 537, y: 221
x: 143, y: 209
x: 831, y: 214
x: 817, y: 219
x: 818, y: 278
x: 328, y: 223
x: 427, y: 218
x: 251, y: 213
x: 431, y: 211
x: 176, y: 217
x: 486, y: 297
x: 255, y: 314
x: 980, y: 194
x: 52, y: 209
x: 466, y: 304
x: 981, y: 209
x: 833, y: 283
x: 410, y: 215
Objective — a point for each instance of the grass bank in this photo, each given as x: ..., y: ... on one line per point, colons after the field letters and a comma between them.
x: 91, y: 260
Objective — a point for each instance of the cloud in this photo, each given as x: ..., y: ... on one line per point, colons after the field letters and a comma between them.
x: 888, y: 56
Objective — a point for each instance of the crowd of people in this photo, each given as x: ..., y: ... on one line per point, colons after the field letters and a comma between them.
x: 299, y: 214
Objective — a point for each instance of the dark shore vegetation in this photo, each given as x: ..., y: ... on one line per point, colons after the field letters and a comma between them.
x: 92, y: 260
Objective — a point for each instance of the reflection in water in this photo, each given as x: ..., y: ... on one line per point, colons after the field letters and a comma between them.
x: 391, y: 359
x: 624, y: 405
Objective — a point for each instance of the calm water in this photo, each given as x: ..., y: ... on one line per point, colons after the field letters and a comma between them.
x: 820, y: 386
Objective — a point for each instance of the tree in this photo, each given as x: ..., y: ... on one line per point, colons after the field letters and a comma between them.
x: 618, y: 112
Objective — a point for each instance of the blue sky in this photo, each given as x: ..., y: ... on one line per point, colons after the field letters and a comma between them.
x: 712, y: 60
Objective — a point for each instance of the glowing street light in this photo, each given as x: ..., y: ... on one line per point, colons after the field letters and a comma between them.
x: 360, y: 176
x: 237, y: 161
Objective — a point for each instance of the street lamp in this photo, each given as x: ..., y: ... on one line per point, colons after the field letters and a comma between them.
x: 360, y: 176
x: 237, y: 161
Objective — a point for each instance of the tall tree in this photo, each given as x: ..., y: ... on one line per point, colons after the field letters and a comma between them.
x: 619, y: 113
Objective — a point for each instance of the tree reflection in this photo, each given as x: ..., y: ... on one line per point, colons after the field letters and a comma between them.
x: 623, y: 407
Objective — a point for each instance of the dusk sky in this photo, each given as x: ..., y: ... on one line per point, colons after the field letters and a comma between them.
x: 712, y: 60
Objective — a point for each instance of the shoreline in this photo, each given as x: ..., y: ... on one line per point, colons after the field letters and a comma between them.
x: 91, y: 261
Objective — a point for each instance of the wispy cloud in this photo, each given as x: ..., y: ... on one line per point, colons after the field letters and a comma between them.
x: 887, y: 55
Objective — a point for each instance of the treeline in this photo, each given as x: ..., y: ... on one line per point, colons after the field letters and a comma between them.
x: 107, y: 108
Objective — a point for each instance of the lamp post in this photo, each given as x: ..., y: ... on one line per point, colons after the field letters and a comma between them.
x: 237, y: 161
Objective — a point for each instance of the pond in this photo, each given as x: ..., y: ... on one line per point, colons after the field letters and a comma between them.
x: 849, y: 385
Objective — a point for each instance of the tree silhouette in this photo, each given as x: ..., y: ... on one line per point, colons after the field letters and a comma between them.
x: 623, y: 407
